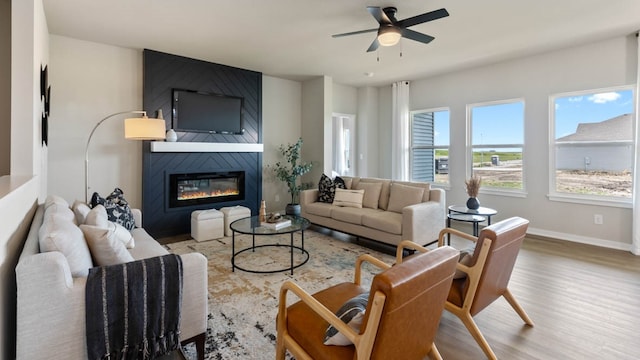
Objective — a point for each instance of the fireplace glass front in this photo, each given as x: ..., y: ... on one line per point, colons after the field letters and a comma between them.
x: 204, y: 188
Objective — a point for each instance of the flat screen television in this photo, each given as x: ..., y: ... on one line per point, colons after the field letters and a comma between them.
x: 196, y: 111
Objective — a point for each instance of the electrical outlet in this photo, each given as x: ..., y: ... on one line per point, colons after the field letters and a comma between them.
x: 597, y: 219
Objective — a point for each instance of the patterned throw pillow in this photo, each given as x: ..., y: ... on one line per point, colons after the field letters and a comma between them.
x: 117, y: 208
x: 352, y: 313
x: 327, y: 188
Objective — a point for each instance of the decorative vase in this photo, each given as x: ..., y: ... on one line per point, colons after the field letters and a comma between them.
x: 171, y: 136
x: 263, y: 211
x: 292, y: 209
x: 473, y: 203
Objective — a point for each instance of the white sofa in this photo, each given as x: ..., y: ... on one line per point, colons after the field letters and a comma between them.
x: 387, y: 220
x: 51, y: 302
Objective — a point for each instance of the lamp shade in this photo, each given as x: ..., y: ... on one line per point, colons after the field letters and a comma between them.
x: 144, y: 128
x: 389, y: 35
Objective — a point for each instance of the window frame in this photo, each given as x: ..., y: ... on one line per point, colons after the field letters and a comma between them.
x: 587, y: 199
x: 413, y: 147
x: 470, y: 147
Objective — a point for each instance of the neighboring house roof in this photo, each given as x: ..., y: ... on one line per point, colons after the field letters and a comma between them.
x: 619, y: 128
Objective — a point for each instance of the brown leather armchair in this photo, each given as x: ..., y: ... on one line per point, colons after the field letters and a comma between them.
x: 401, y: 318
x: 487, y: 275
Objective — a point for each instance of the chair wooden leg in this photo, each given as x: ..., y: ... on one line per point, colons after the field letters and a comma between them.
x: 280, y: 349
x: 435, y: 354
x: 467, y: 320
x: 199, y: 341
x: 516, y: 306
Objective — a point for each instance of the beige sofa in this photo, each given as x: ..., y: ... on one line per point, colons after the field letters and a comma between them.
x: 395, y: 212
x: 51, y: 301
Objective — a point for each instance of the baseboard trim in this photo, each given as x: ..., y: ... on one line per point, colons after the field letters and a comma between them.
x: 580, y: 239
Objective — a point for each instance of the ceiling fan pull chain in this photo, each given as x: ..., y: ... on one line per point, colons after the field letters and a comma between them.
x: 378, y: 55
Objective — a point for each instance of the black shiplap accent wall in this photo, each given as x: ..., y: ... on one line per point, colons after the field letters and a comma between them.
x: 164, y: 72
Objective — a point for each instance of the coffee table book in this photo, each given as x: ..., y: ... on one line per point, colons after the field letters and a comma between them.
x: 276, y: 225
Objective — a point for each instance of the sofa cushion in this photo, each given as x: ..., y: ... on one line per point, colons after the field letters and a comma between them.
x: 318, y: 208
x: 348, y: 198
x: 60, y: 211
x: 98, y: 217
x: 383, y: 202
x: 58, y: 233
x: 327, y: 188
x: 106, y: 248
x: 402, y: 196
x: 425, y: 185
x: 146, y: 246
x: 55, y: 199
x: 350, y: 215
x: 387, y: 221
x: 371, y: 194
x: 80, y: 210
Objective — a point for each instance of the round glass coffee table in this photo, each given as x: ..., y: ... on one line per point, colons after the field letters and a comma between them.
x: 251, y: 226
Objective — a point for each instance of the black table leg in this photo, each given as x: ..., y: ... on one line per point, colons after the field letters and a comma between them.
x: 233, y: 251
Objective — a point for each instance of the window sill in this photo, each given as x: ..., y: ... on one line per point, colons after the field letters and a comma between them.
x: 592, y: 200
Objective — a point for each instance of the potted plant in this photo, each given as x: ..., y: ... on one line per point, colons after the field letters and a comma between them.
x: 473, y: 187
x: 289, y: 170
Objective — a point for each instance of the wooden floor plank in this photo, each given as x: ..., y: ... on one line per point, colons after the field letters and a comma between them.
x: 584, y: 301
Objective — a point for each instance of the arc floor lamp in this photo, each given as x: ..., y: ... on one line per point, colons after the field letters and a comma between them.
x: 140, y: 128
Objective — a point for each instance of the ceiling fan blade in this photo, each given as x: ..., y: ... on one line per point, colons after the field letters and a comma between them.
x: 419, y: 19
x: 379, y: 15
x: 414, y: 35
x: 354, y: 33
x: 374, y: 45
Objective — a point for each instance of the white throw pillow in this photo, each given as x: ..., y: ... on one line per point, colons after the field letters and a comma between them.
x: 348, y: 198
x: 402, y: 196
x: 58, y: 233
x: 81, y: 210
x: 98, y: 217
x: 105, y: 247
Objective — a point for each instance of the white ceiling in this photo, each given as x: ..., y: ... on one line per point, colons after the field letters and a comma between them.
x: 292, y: 38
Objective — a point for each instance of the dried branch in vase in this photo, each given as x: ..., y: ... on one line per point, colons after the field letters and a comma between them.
x: 473, y: 186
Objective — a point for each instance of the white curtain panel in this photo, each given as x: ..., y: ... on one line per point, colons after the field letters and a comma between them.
x: 400, y: 132
x: 339, y: 165
x: 635, y: 246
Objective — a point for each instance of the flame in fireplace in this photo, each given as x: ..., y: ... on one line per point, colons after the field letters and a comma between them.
x: 207, y: 194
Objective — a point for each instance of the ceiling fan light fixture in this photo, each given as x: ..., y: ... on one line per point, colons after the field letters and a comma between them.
x: 389, y: 35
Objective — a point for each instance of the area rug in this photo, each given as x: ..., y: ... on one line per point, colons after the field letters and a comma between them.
x: 243, y: 306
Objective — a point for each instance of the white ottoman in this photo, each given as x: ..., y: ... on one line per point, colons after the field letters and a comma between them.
x: 232, y: 214
x: 207, y: 225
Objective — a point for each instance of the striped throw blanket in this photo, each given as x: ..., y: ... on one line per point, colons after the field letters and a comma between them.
x: 133, y: 309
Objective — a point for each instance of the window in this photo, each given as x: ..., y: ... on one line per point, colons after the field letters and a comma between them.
x: 430, y: 146
x: 592, y: 144
x: 497, y: 141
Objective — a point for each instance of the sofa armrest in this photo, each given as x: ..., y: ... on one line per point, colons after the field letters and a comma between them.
x: 421, y: 223
x: 50, y: 309
x: 308, y: 196
x: 194, y: 310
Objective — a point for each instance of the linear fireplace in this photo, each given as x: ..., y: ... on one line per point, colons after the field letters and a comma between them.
x: 205, y: 188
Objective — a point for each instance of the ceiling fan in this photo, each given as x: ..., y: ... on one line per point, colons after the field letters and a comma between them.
x: 391, y: 30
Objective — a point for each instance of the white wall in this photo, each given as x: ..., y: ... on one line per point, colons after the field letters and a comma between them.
x: 534, y: 78
x: 91, y: 81
x: 317, y: 108
x: 20, y: 191
x: 5, y: 86
x: 281, y: 124
x: 345, y: 99
x: 367, y: 153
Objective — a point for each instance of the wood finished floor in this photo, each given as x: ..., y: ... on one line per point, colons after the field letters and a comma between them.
x: 584, y: 301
